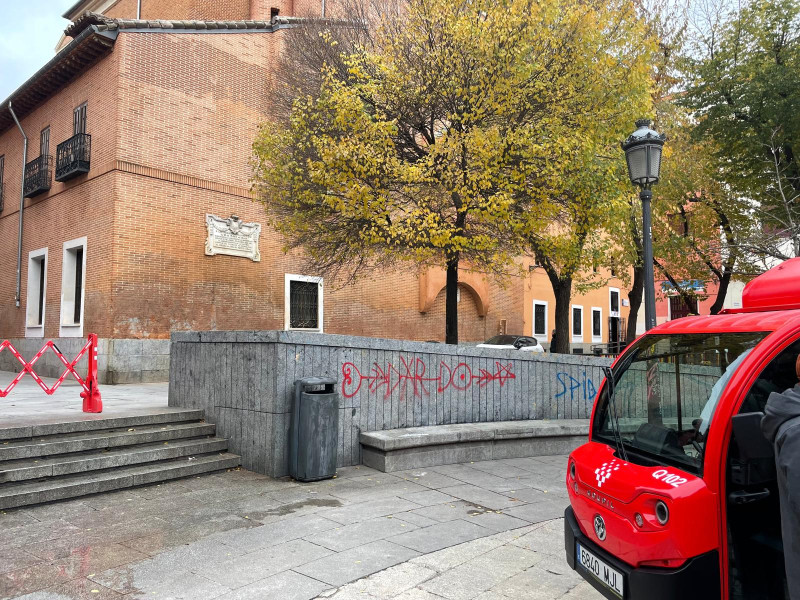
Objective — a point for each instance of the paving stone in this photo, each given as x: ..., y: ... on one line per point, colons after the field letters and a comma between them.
x: 36, y: 532
x: 467, y: 474
x: 350, y: 565
x: 345, y: 537
x: 12, y: 559
x: 162, y: 541
x: 417, y: 594
x: 449, y: 511
x: 537, y: 583
x: 287, y: 585
x: 499, y: 468
x: 278, y: 532
x: 30, y: 579
x: 394, y: 580
x: 79, y: 589
x: 480, y: 496
x: 414, y: 519
x: 378, y: 492
x: 93, y: 559
x: 248, y: 568
x: 497, y: 522
x: 482, y: 573
x: 441, y: 535
x: 428, y: 498
x: 369, y: 510
x: 428, y: 478
x: 535, y: 513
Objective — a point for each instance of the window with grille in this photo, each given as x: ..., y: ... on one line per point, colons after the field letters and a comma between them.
x: 540, y: 319
x: 597, y: 324
x: 37, y: 293
x: 577, y: 323
x: 303, y: 302
x: 614, y: 302
x: 44, y: 142
x: 79, y: 120
x: 73, y: 277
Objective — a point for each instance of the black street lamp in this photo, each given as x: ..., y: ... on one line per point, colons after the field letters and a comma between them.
x: 643, y: 154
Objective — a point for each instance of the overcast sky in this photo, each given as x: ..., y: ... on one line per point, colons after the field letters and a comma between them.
x: 29, y: 32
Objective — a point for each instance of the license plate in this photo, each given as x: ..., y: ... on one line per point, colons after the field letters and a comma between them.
x: 609, y: 577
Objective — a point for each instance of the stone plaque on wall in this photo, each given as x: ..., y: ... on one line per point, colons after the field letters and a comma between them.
x: 232, y: 236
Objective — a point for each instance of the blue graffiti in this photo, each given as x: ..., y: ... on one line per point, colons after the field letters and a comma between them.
x: 583, y: 387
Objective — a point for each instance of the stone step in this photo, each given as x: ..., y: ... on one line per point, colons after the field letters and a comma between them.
x: 13, y: 495
x: 99, y: 422
x: 105, y: 438
x: 95, y: 460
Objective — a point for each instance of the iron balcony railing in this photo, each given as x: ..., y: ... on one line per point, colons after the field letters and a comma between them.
x: 38, y: 175
x: 72, y: 156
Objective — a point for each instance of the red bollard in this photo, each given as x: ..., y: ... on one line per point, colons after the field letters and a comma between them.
x: 92, y: 402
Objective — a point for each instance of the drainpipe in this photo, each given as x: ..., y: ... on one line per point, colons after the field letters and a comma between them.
x: 323, y: 9
x: 139, y: 9
x: 21, y: 205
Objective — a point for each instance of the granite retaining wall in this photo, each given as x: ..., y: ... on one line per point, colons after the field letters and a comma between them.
x: 119, y: 360
x: 244, y: 381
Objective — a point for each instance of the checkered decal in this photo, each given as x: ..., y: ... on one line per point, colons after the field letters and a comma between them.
x: 605, y: 471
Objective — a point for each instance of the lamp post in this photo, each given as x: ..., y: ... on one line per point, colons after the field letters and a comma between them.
x: 643, y: 155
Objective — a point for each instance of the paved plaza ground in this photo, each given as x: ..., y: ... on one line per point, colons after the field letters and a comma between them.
x: 490, y: 530
x: 486, y: 530
x: 27, y: 404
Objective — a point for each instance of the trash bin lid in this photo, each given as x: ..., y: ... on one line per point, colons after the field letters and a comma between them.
x: 308, y: 381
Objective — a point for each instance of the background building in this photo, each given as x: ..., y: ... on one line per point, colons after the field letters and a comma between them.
x: 138, y: 130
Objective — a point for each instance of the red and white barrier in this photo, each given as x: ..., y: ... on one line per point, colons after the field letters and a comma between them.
x: 92, y: 402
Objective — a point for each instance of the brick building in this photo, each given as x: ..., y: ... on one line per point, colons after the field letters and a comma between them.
x: 137, y: 130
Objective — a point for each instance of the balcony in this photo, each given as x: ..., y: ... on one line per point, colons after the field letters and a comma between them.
x: 38, y: 173
x: 72, y: 156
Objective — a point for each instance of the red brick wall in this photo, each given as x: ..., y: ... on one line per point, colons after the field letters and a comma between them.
x: 77, y: 208
x: 173, y: 117
x: 206, y: 10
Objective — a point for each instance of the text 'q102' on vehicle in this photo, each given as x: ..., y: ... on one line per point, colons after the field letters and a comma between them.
x: 675, y: 495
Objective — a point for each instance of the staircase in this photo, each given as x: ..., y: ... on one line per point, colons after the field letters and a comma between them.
x: 43, y: 463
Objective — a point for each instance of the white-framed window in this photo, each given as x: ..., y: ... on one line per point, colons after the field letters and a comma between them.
x: 303, y: 303
x: 613, y: 302
x: 36, y: 298
x: 73, y: 281
x: 577, y: 323
x: 597, y: 324
x: 540, y: 320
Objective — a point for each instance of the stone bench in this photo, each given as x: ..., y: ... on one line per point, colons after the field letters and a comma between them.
x: 418, y: 447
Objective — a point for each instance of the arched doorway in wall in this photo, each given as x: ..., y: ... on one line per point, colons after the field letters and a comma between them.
x: 471, y: 324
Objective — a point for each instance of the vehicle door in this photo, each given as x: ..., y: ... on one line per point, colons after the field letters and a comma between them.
x: 755, y: 565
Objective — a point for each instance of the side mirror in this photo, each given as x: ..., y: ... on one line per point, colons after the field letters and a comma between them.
x: 519, y: 344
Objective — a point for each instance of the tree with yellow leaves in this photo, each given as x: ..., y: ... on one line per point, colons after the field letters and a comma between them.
x: 442, y: 135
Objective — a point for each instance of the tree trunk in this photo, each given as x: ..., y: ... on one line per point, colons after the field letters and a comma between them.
x: 721, y: 293
x: 562, y: 288
x: 451, y: 302
x: 635, y: 297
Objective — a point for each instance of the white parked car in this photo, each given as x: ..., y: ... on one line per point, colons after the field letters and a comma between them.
x: 513, y: 342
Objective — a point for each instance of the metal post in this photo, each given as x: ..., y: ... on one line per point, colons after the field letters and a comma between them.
x: 649, y: 277
x: 18, y: 296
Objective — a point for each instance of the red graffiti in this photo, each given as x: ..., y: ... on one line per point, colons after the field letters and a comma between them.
x: 413, y: 372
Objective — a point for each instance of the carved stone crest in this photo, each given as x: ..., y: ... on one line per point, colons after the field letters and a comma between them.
x: 232, y: 236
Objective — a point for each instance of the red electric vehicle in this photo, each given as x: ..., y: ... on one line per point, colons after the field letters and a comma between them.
x: 675, y: 494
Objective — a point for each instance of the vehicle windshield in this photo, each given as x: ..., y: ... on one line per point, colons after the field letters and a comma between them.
x: 667, y: 389
x: 502, y: 340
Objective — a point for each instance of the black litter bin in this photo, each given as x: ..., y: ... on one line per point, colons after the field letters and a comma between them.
x: 314, y: 432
